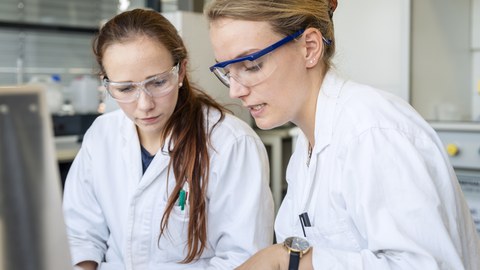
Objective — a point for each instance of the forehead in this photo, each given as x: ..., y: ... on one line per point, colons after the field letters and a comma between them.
x: 234, y: 38
x: 140, y: 58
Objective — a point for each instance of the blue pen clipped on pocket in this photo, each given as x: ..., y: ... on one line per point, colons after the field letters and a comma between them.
x: 305, y: 222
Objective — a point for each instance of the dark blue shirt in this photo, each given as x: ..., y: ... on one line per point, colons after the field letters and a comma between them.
x: 146, y: 158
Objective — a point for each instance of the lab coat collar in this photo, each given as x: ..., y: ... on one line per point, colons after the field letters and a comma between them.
x: 131, y: 148
x: 128, y: 130
x: 326, y: 102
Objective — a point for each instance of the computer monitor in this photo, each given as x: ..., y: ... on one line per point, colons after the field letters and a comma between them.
x: 32, y: 229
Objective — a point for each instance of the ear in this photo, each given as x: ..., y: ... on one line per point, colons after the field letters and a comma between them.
x: 314, y: 47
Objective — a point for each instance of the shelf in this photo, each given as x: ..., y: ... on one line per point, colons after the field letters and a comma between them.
x: 48, y: 27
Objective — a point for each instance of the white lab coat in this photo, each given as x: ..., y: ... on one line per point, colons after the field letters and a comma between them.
x: 379, y: 191
x: 113, y: 212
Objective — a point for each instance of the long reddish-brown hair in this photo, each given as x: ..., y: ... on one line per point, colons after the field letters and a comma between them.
x: 186, y: 127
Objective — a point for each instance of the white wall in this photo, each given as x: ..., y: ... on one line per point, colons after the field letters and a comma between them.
x: 476, y: 60
x: 441, y: 59
x: 373, y: 43
x: 193, y: 28
x: 476, y: 24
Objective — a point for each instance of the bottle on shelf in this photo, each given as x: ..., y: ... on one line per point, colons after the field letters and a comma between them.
x: 53, y: 89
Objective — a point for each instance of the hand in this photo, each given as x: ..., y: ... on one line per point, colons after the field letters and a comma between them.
x: 271, y: 258
x: 86, y: 265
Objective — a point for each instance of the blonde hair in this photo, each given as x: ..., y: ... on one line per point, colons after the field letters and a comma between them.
x: 285, y: 16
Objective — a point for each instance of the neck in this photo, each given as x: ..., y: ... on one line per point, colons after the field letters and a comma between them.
x: 306, y: 119
x: 150, y: 141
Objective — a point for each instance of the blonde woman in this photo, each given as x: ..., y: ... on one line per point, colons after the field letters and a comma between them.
x: 369, y: 185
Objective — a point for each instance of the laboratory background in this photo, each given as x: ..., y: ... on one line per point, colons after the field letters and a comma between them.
x: 426, y: 52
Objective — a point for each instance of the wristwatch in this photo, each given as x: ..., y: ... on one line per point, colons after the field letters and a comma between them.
x: 296, y: 247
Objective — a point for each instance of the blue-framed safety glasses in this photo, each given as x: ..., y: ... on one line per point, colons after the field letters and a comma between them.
x: 251, y: 69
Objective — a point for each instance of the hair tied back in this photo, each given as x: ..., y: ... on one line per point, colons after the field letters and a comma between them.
x: 333, y: 6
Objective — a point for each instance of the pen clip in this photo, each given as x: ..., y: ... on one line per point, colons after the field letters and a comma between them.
x: 304, y: 221
x: 186, y: 187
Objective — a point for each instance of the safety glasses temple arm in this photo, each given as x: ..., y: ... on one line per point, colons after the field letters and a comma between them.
x: 256, y: 55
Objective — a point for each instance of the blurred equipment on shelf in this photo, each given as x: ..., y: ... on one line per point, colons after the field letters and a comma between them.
x: 462, y: 145
x: 84, y: 94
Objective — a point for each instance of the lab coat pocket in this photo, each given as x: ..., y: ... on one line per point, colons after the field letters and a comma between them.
x: 338, y: 235
x: 174, y: 240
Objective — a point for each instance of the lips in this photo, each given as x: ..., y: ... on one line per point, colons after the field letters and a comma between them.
x: 148, y: 120
x: 256, y: 107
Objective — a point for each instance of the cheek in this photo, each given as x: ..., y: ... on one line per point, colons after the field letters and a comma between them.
x: 168, y: 103
x: 282, y: 86
x: 284, y: 95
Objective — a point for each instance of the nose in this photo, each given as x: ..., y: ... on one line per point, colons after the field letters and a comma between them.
x: 237, y: 90
x: 145, y: 100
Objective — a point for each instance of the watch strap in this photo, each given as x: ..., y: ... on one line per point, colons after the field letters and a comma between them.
x: 294, y: 260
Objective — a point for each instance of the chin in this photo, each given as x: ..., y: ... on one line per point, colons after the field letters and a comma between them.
x: 265, y: 125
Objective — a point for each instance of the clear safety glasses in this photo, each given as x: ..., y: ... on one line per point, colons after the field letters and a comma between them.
x: 251, y: 69
x: 156, y: 86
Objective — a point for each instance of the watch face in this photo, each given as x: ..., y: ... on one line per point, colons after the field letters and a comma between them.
x: 297, y: 244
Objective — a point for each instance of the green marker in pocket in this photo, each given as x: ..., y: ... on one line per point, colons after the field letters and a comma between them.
x: 181, y: 199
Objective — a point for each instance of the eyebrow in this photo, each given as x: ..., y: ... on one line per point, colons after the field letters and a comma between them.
x: 149, y: 77
x: 245, y: 53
